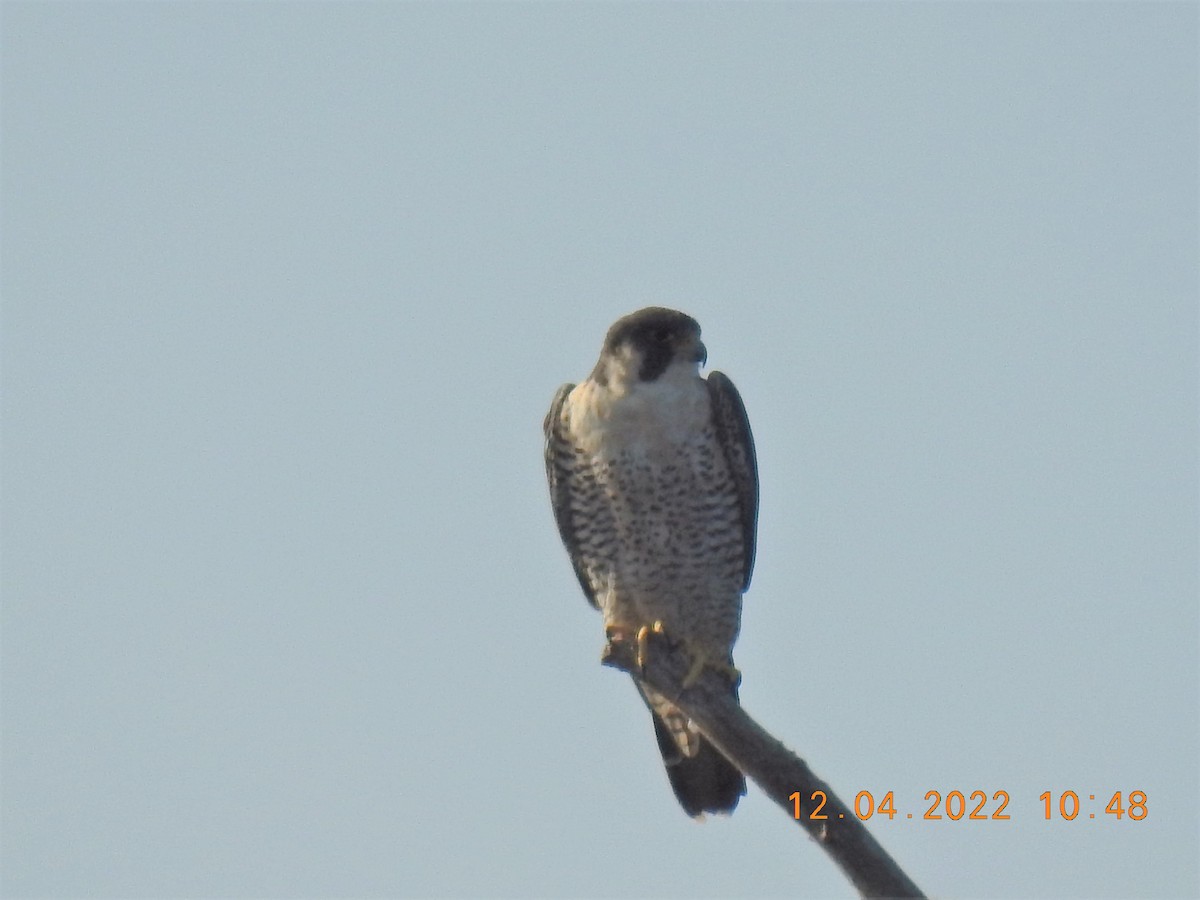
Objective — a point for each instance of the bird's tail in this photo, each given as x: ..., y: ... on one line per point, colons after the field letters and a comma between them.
x: 703, y: 779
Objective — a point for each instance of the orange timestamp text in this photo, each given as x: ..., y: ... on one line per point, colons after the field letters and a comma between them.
x: 977, y: 806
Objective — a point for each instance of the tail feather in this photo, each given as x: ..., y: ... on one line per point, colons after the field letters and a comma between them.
x: 704, y: 781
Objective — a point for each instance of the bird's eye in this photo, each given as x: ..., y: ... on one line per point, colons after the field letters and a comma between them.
x: 662, y: 335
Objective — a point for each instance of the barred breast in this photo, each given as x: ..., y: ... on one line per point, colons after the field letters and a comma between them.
x: 661, y: 534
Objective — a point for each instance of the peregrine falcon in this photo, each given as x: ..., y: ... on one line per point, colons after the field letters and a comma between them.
x: 654, y: 486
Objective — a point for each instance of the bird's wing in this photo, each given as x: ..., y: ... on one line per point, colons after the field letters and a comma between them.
x: 562, y: 475
x: 733, y: 432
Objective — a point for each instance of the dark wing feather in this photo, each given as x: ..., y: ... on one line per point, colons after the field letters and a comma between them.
x: 733, y: 432
x: 560, y: 472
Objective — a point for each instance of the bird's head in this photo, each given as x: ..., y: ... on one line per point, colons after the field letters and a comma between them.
x: 645, y: 344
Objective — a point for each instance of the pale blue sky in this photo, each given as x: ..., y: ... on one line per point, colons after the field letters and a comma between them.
x: 287, y: 289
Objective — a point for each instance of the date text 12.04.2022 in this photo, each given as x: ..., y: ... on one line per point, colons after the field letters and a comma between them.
x: 978, y: 806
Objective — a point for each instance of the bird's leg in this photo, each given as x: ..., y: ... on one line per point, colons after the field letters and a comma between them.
x: 698, y: 658
x: 643, y: 642
x: 701, y: 661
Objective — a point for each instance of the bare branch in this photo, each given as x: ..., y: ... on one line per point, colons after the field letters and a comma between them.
x: 775, y: 769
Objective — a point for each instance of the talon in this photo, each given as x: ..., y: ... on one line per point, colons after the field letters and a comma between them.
x: 643, y: 642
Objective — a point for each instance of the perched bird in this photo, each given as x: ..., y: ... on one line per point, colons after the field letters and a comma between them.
x: 654, y: 486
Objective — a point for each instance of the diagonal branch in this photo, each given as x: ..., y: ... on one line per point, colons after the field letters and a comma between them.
x: 775, y: 769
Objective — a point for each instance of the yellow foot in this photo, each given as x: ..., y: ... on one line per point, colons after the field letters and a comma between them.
x: 643, y: 642
x: 698, y: 659
x: 700, y: 662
